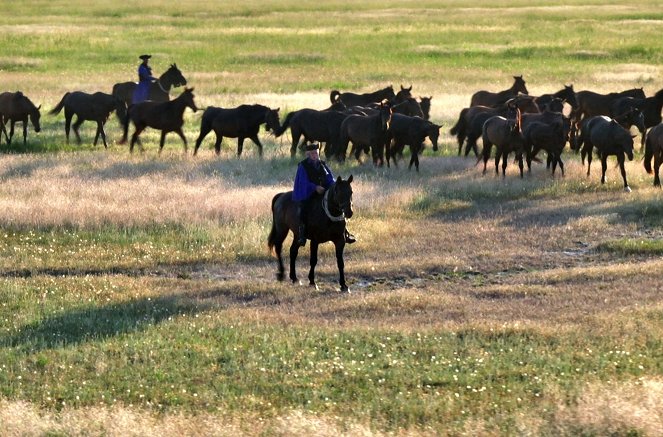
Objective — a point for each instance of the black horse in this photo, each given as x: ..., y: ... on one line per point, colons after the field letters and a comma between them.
x: 95, y: 107
x: 325, y: 222
x: 551, y: 137
x: 353, y: 99
x: 507, y: 135
x: 654, y: 149
x: 410, y: 131
x: 159, y: 89
x: 17, y: 107
x: 241, y: 122
x: 367, y: 132
x: 425, y: 103
x: 313, y: 125
x: 487, y: 98
x: 166, y: 116
x: 609, y: 138
x: 566, y: 94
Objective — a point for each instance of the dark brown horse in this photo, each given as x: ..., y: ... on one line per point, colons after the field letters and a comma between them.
x: 17, y: 107
x: 550, y: 137
x: 654, y: 149
x: 410, y: 131
x: 566, y: 94
x: 159, y: 89
x: 487, y: 98
x: 650, y: 107
x: 352, y: 99
x: 165, y: 116
x: 95, y: 107
x: 609, y: 138
x: 313, y: 125
x: 425, y: 102
x: 241, y: 122
x: 326, y: 221
x: 507, y: 135
x: 367, y: 132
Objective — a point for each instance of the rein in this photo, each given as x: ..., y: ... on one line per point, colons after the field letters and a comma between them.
x: 158, y: 81
x: 325, y: 207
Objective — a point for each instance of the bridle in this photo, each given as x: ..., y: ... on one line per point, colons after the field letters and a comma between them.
x: 325, y: 207
x: 158, y: 81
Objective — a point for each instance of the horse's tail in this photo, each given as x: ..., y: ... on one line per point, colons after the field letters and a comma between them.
x: 334, y: 96
x: 271, y: 240
x: 649, y: 154
x: 286, y: 124
x: 460, y: 124
x: 59, y: 106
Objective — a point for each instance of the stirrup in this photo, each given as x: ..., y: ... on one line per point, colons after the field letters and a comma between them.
x: 349, y: 238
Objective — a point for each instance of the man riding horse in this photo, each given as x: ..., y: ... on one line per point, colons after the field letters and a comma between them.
x: 313, y: 178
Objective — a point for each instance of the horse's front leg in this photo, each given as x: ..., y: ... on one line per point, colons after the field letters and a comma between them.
x: 25, y: 132
x: 240, y: 145
x: 11, y: 131
x: 604, y: 166
x: 294, y: 249
x: 340, y: 245
x: 181, y: 134
x: 255, y: 139
x: 314, y: 262
x: 588, y: 150
x: 621, y: 159
x: 100, y: 132
x: 162, y: 140
x: 134, y: 138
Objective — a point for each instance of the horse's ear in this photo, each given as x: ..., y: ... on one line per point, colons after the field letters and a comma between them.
x: 38, y: 107
x: 339, y: 179
x: 277, y: 109
x: 350, y: 179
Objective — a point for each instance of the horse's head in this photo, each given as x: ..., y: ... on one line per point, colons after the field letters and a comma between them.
x: 188, y: 96
x: 519, y: 85
x: 272, y: 120
x: 35, y: 116
x: 403, y: 94
x: 341, y: 193
x: 424, y: 102
x: 569, y: 96
x: 385, y: 115
x: 173, y: 77
x: 555, y: 105
x: 433, y: 131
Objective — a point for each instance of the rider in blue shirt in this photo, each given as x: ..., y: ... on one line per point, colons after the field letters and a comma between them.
x: 313, y: 178
x: 145, y: 79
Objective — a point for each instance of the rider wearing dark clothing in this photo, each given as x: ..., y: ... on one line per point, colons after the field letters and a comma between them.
x: 313, y: 178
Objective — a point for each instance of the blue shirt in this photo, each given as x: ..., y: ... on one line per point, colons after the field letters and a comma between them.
x: 142, y: 91
x: 304, y: 188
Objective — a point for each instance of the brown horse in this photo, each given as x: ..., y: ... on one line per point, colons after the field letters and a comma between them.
x: 551, y: 137
x: 411, y: 131
x: 95, y: 107
x: 326, y: 221
x: 507, y: 135
x: 654, y: 149
x: 159, y: 89
x: 425, y: 102
x: 487, y: 98
x: 17, y: 107
x: 352, y: 99
x: 566, y: 94
x: 313, y: 125
x: 366, y: 132
x: 241, y: 122
x: 166, y: 116
x: 650, y: 107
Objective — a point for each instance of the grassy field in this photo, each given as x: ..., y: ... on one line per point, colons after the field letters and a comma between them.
x: 137, y: 295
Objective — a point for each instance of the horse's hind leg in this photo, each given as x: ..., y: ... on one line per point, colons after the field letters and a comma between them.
x: 181, y: 134
x: 100, y: 132
x: 294, y: 249
x: 204, y: 130
x: 134, y: 138
x: 75, y: 126
x: 314, y: 262
x: 162, y: 141
x: 339, y: 246
x: 67, y: 124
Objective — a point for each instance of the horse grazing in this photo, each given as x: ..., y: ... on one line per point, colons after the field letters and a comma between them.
x: 159, y: 89
x: 507, y: 135
x: 411, y: 131
x: 352, y: 99
x: 654, y: 149
x: 17, y: 107
x: 241, y: 122
x: 609, y: 138
x: 366, y: 132
x: 487, y: 98
x: 313, y: 125
x: 165, y: 116
x: 325, y: 222
x: 95, y: 107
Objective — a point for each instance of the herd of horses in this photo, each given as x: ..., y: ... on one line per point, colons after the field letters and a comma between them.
x: 515, y: 122
x: 380, y: 124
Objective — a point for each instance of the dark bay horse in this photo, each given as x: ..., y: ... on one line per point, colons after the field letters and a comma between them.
x: 326, y: 221
x: 654, y: 149
x: 159, y: 89
x: 353, y: 99
x: 425, y: 102
x: 410, y: 131
x: 550, y: 137
x: 17, y: 107
x: 313, y: 125
x: 95, y: 107
x: 507, y: 135
x: 609, y: 138
x: 165, y: 116
x: 367, y: 132
x: 650, y: 107
x: 487, y: 98
x: 567, y: 94
x: 241, y: 122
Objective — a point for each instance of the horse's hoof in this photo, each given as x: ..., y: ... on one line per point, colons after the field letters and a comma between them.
x: 345, y: 289
x: 627, y: 189
x: 280, y: 276
x: 314, y: 286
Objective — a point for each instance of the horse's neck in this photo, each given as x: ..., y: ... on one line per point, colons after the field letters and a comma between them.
x: 164, y: 81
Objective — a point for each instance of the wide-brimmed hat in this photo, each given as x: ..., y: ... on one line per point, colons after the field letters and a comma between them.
x: 311, y: 147
x: 144, y: 57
